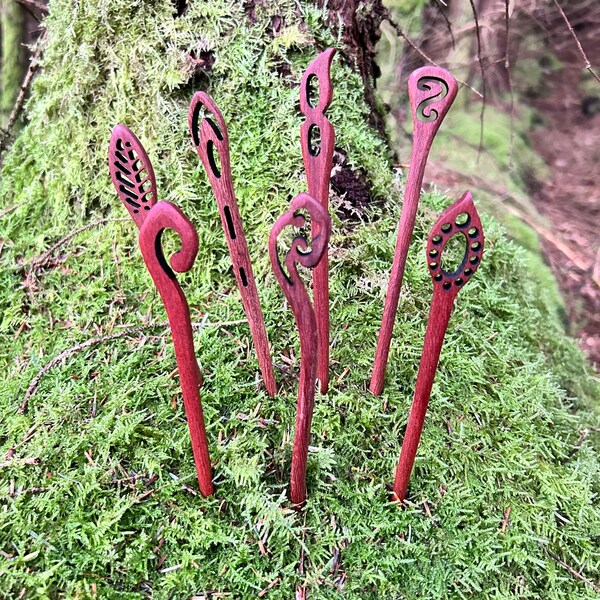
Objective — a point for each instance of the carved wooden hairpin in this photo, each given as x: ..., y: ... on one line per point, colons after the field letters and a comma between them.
x: 297, y: 296
x: 210, y: 137
x: 133, y: 178
x: 317, y: 138
x: 428, y: 110
x: 460, y: 218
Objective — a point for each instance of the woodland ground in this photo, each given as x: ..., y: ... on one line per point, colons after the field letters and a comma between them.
x: 97, y: 486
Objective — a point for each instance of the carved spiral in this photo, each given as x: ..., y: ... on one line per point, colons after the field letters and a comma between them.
x: 299, y: 252
x: 165, y: 215
x: 425, y: 112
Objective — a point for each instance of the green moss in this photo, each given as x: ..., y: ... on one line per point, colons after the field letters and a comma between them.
x: 506, y: 411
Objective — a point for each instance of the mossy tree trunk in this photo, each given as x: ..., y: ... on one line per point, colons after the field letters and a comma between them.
x: 13, y: 57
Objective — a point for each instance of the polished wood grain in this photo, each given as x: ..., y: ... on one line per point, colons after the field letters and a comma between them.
x: 211, y: 139
x: 432, y: 91
x: 301, y: 253
x: 317, y: 138
x: 133, y: 178
x: 462, y: 219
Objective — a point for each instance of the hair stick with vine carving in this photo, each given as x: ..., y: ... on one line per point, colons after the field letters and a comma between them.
x: 428, y: 110
x: 133, y: 178
x: 304, y: 314
x: 211, y: 140
x: 317, y: 138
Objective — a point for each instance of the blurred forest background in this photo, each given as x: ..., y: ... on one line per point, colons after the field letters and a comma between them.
x: 524, y: 133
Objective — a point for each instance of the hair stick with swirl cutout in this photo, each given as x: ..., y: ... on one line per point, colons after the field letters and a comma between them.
x: 318, y: 161
x: 461, y: 219
x: 152, y: 221
x: 304, y: 314
x: 428, y: 110
x: 211, y: 139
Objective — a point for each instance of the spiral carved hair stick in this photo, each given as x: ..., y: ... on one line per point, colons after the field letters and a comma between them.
x: 297, y: 296
x: 211, y: 140
x: 432, y: 91
x: 317, y: 139
x: 461, y: 219
x: 133, y: 178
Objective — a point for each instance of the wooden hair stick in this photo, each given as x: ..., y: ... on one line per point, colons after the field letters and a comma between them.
x: 211, y: 137
x: 317, y: 139
x: 299, y: 301
x: 133, y: 178
x: 428, y: 110
x: 460, y: 218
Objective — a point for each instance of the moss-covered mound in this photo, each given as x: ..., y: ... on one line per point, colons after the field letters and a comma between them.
x: 97, y: 484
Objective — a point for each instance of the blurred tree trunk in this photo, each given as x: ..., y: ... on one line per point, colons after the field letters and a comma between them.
x: 13, y: 65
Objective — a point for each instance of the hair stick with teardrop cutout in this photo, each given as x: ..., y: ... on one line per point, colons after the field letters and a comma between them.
x: 318, y: 161
x: 460, y: 218
x: 428, y: 110
x: 133, y: 177
x: 212, y: 138
x: 299, y: 301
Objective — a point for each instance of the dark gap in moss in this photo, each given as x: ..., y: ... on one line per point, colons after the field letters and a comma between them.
x: 361, y: 32
x: 352, y: 184
x: 250, y: 10
x: 180, y: 7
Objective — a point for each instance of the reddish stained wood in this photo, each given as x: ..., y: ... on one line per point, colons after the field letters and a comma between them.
x: 432, y: 91
x: 211, y: 140
x: 317, y: 138
x: 132, y: 173
x: 445, y: 288
x: 153, y: 218
x: 299, y: 301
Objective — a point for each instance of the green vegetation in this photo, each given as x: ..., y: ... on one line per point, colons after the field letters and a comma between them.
x: 107, y: 507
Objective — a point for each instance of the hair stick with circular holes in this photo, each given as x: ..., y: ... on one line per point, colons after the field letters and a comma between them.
x: 462, y: 219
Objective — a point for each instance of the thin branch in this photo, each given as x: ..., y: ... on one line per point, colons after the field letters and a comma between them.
x: 510, y: 84
x: 43, y: 8
x: 448, y: 24
x: 588, y: 65
x: 7, y: 133
x: 10, y: 209
x: 482, y: 69
x: 43, y: 259
x: 574, y: 572
x: 420, y: 52
x: 33, y: 386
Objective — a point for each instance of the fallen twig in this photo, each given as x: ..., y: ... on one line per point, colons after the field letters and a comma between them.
x: 10, y: 209
x: 33, y: 386
x: 573, y: 571
x: 422, y: 54
x: 6, y: 133
x: 42, y: 259
x: 505, y: 521
x: 265, y: 591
